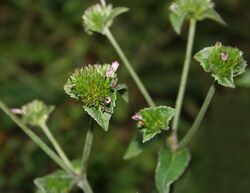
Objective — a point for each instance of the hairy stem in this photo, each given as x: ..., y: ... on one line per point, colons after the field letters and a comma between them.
x: 130, y: 69
x: 199, y: 118
x: 83, y: 183
x: 87, y: 147
x: 57, y: 147
x: 36, y: 139
x: 173, y: 139
x: 184, y: 76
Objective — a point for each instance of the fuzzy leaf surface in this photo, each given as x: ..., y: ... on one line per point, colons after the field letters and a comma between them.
x: 56, y: 182
x: 153, y: 120
x: 102, y: 116
x: 181, y: 10
x: 171, y: 165
x: 135, y: 147
x: 223, y: 62
x: 99, y: 18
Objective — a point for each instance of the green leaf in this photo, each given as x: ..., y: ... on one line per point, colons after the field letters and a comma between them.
x: 135, y: 147
x: 122, y: 89
x: 171, y: 165
x: 102, y: 115
x: 57, y: 182
x: 223, y: 62
x: 99, y: 18
x: 36, y: 113
x: 180, y: 10
x: 212, y: 14
x: 177, y: 22
x: 153, y: 120
x: 117, y: 11
x: 244, y: 80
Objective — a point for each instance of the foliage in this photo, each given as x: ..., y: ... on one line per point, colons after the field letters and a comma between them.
x: 170, y: 167
x: 95, y: 87
x: 194, y: 9
x: 56, y: 42
x: 36, y: 113
x: 151, y: 121
x: 99, y: 17
x: 223, y: 62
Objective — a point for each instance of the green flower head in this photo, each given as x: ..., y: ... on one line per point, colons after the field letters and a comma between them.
x: 223, y: 62
x: 36, y: 113
x: 99, y: 17
x: 151, y: 121
x: 192, y: 9
x: 92, y: 85
x: 96, y: 87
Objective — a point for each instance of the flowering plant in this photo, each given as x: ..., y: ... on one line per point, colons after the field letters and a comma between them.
x: 96, y: 89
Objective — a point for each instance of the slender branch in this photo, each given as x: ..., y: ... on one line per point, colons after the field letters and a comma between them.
x: 83, y: 181
x: 36, y: 139
x: 57, y: 147
x: 129, y: 67
x: 199, y: 118
x: 184, y: 75
x: 173, y: 139
x: 87, y: 147
x: 84, y: 185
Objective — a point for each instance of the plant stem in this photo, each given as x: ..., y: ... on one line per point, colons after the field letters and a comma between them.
x: 199, y: 118
x: 57, y: 147
x: 173, y: 139
x: 83, y: 183
x: 129, y: 67
x: 184, y: 75
x: 36, y: 139
x: 87, y: 147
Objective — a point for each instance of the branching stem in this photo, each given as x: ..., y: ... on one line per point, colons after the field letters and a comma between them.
x: 57, y: 147
x: 130, y: 69
x: 173, y: 139
x: 36, y: 139
x: 199, y: 118
x: 84, y: 184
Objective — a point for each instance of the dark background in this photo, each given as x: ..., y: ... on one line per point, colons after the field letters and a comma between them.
x: 42, y: 42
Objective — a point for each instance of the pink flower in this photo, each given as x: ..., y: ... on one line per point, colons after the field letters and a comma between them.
x: 16, y: 111
x: 107, y: 101
x: 136, y: 117
x: 113, y: 68
x: 224, y: 56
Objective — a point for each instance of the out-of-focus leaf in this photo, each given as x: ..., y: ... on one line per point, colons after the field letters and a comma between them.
x: 57, y: 182
x: 135, y: 147
x: 244, y: 80
x: 171, y: 165
x: 122, y: 89
x: 212, y: 14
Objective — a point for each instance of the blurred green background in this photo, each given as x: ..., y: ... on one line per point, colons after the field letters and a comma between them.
x: 42, y: 42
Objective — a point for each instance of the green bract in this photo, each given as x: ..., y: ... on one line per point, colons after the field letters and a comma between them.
x: 223, y: 62
x: 99, y: 18
x: 192, y: 9
x: 95, y: 86
x: 36, y: 113
x: 151, y: 121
